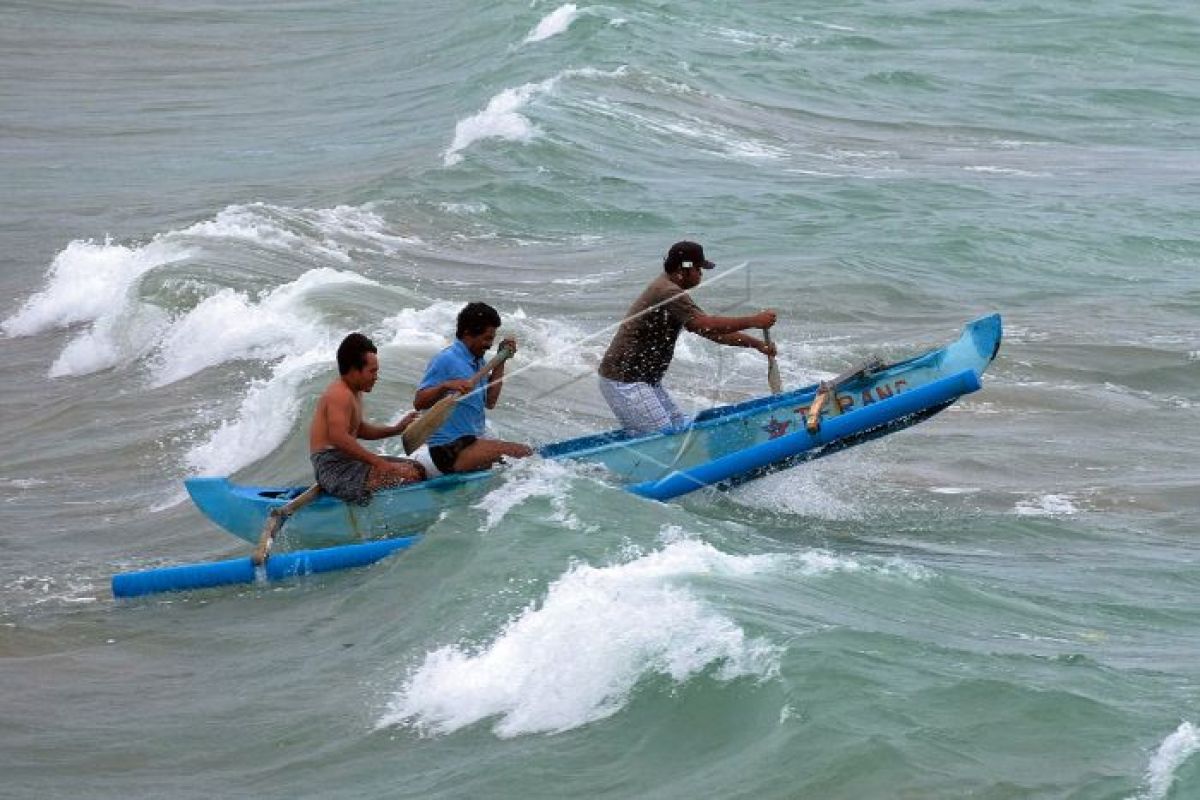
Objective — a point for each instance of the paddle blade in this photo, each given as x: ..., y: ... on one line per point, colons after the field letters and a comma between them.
x: 421, y: 428
x: 773, y: 380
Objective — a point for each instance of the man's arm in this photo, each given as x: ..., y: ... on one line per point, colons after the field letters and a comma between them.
x: 426, y: 397
x: 741, y: 340
x: 338, y: 416
x: 496, y: 378
x: 434, y: 385
x: 371, y: 432
x: 707, y: 324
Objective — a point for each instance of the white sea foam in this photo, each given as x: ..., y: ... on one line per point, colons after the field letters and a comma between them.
x: 85, y: 281
x: 280, y: 327
x: 61, y: 590
x: 1006, y: 171
x: 25, y: 483
x: 831, y: 26
x: 359, y: 225
x: 1171, y: 754
x: 758, y: 40
x: 716, y: 138
x: 427, y: 329
x: 268, y: 227
x: 544, y: 342
x: 576, y: 657
x: 554, y: 23
x: 124, y: 334
x: 829, y: 489
x: 812, y: 563
x: 463, y: 209
x: 557, y: 344
x: 98, y: 283
x: 232, y: 325
x: 528, y: 479
x: 502, y: 117
x: 1047, y: 505
x: 264, y: 419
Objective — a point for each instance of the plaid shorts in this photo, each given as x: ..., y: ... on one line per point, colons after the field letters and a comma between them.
x: 642, y: 407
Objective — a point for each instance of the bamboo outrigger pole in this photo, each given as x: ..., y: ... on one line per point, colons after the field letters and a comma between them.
x: 275, y: 521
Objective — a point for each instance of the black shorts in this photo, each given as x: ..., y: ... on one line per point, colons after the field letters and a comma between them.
x: 444, y: 455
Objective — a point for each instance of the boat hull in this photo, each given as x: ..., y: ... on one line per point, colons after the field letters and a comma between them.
x: 723, y: 446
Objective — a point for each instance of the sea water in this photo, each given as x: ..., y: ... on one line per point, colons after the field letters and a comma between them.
x: 200, y: 200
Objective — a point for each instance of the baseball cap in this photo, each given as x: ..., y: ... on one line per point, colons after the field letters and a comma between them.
x: 686, y: 254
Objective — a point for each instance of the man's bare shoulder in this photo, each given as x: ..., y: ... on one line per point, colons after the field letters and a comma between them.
x: 337, y: 392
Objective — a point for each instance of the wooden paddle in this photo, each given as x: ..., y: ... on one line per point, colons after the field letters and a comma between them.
x: 420, y: 429
x: 275, y: 521
x: 773, y: 380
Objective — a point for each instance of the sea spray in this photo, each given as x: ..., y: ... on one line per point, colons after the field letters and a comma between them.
x: 576, y: 656
x: 1171, y: 754
x: 554, y: 23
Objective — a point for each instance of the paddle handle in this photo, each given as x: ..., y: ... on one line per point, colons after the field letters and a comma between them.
x: 419, y: 431
x: 275, y: 521
x: 773, y: 380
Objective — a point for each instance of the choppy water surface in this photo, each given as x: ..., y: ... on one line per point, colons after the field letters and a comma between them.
x: 1001, y: 603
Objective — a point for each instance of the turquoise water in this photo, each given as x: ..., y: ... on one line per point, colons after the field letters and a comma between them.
x: 999, y: 603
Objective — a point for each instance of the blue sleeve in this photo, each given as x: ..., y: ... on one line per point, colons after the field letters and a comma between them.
x: 436, y: 372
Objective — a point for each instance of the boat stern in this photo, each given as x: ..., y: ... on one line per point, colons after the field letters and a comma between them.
x: 240, y: 510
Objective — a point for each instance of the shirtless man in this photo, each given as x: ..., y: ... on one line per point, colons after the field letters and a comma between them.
x: 343, y: 467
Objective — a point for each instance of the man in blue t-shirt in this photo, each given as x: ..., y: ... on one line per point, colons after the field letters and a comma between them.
x: 459, y: 446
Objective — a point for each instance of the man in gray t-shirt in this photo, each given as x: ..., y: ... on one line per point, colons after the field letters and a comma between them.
x: 637, y: 358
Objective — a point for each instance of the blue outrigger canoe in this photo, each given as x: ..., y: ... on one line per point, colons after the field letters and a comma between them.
x: 722, y: 447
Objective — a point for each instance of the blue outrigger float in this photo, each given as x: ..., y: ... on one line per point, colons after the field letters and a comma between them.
x: 722, y: 447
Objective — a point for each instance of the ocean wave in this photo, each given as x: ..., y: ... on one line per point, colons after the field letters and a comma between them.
x: 824, y: 562
x: 95, y: 283
x: 1171, y: 754
x: 528, y: 479
x: 502, y: 119
x: 554, y: 23
x: 231, y: 325
x: 264, y: 419
x: 575, y: 657
x: 1047, y: 505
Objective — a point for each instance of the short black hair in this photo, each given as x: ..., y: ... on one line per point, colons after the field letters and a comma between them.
x: 475, y: 318
x: 352, y: 352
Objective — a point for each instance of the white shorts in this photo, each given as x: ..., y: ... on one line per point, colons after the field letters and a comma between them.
x: 642, y: 407
x: 422, y: 457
